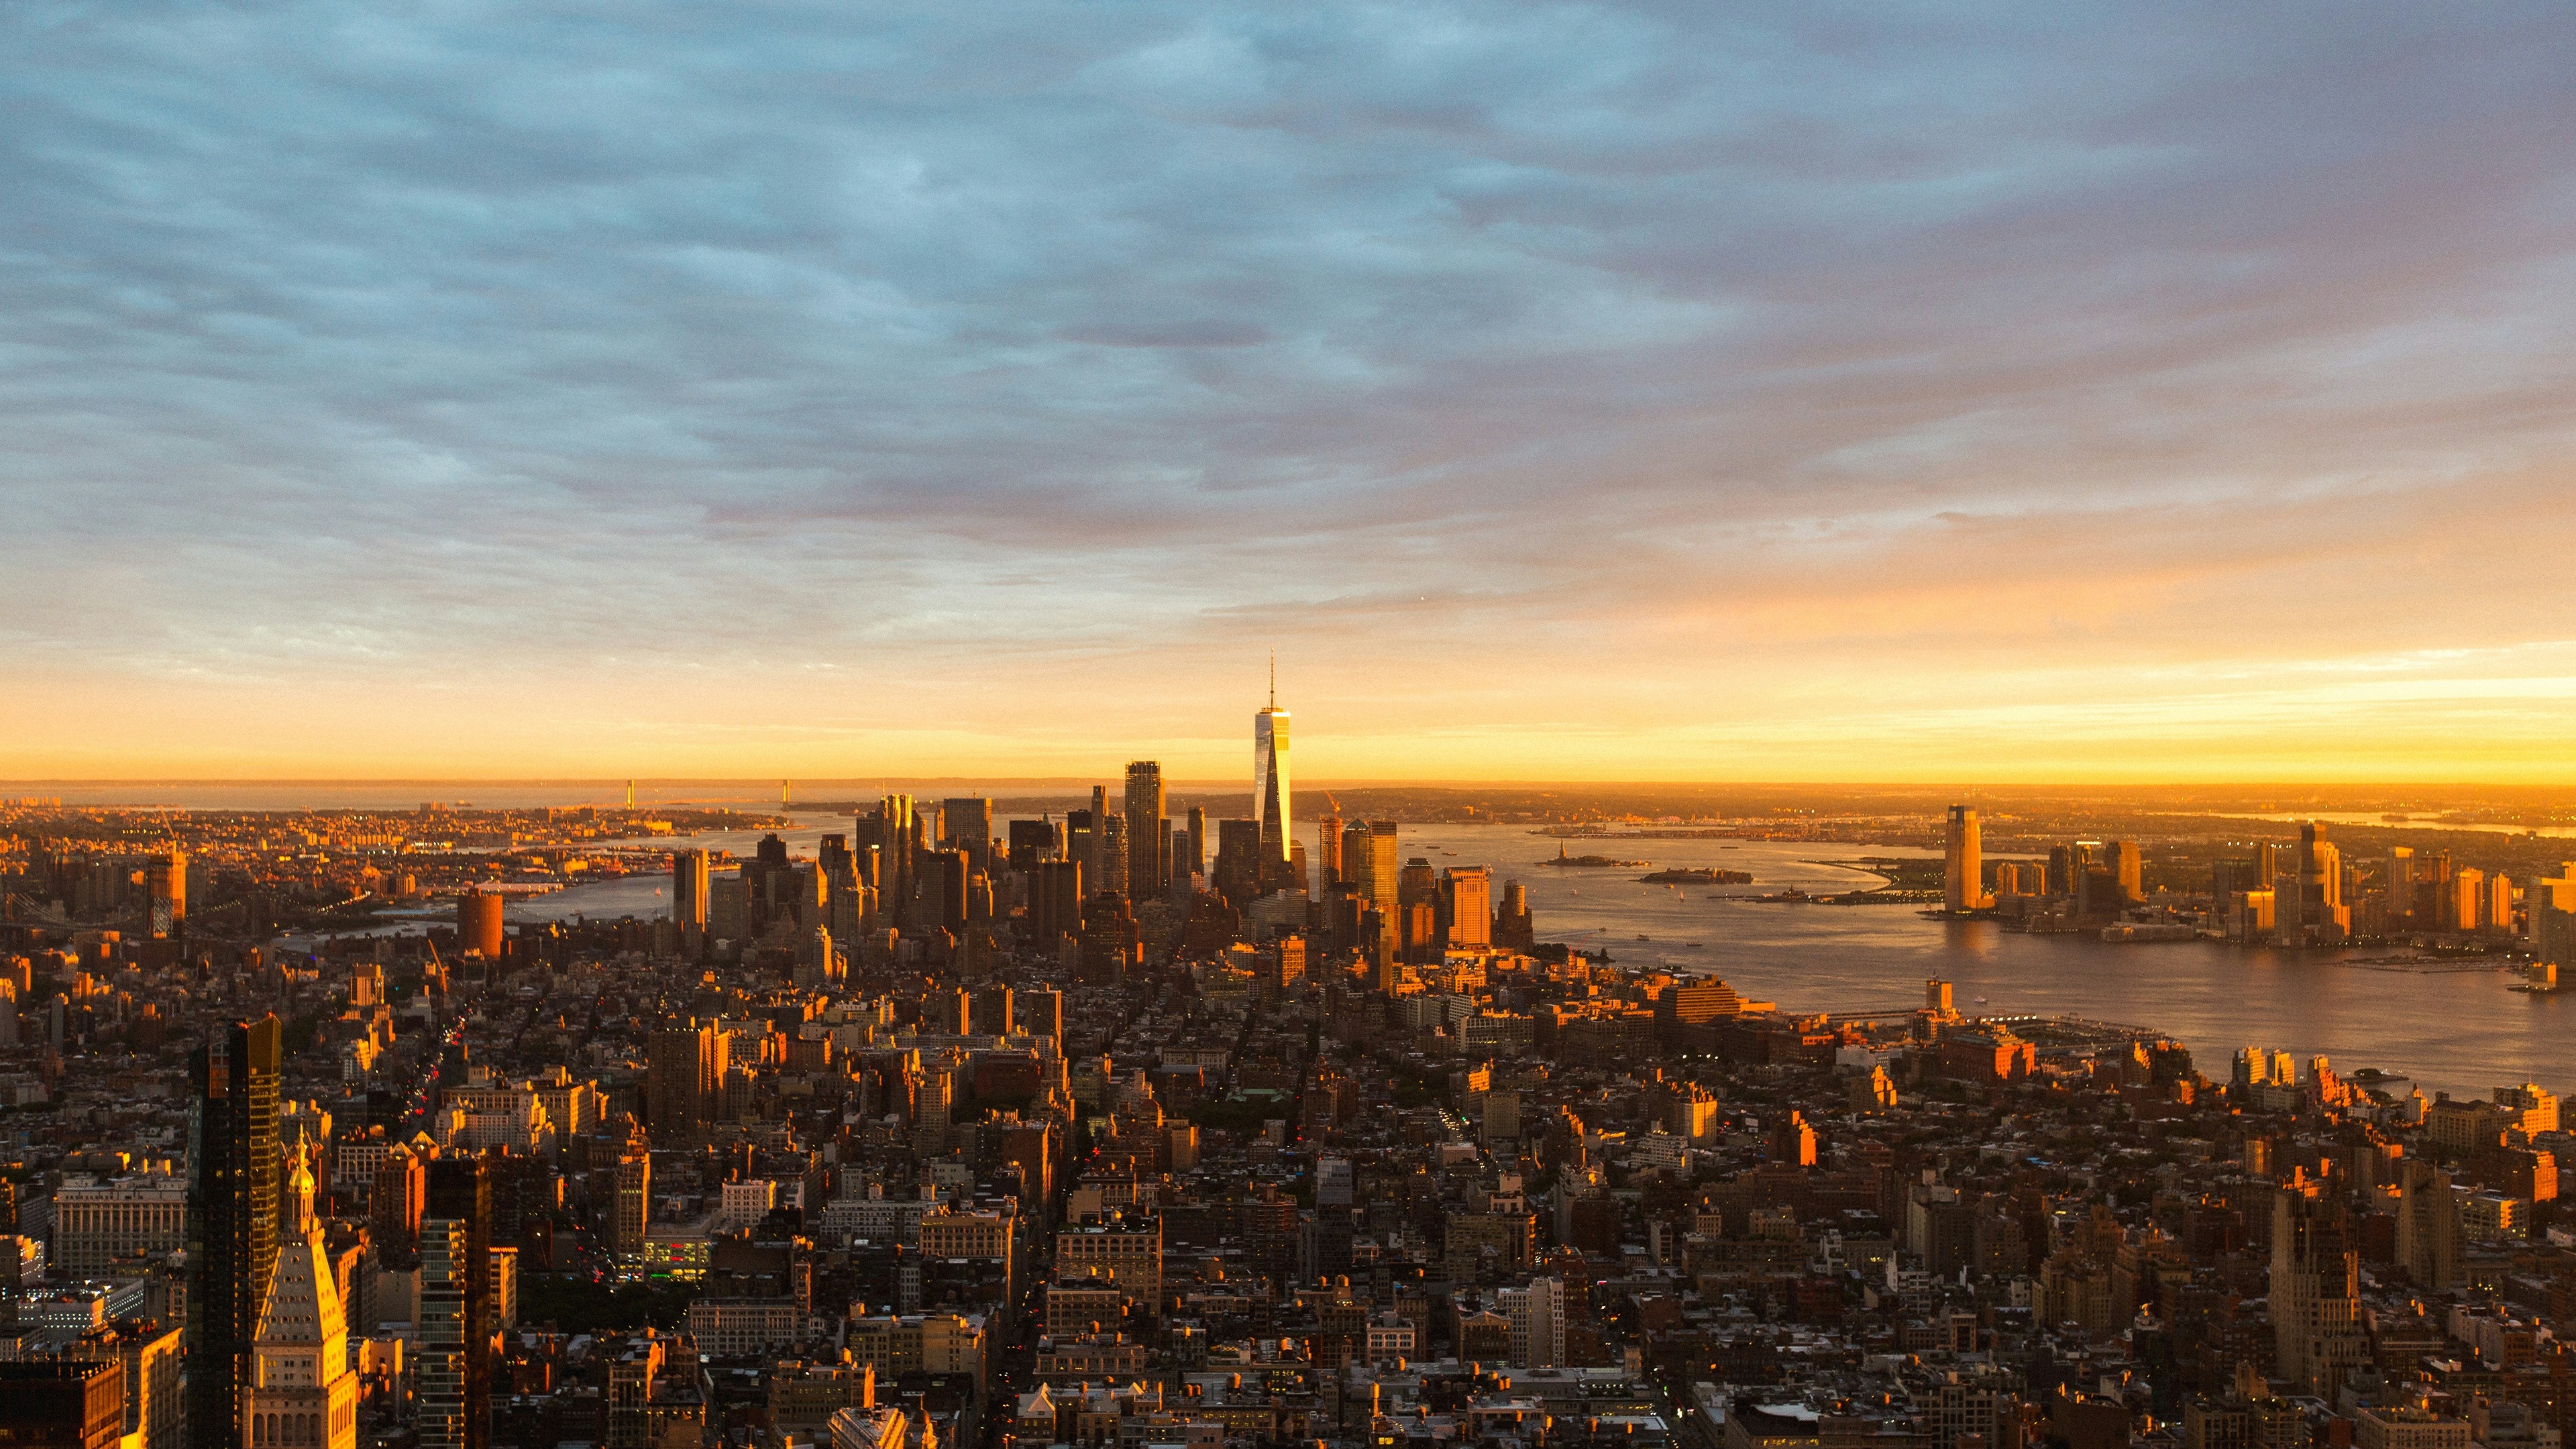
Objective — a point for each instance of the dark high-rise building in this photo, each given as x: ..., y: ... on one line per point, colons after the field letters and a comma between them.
x: 1198, y: 840
x: 832, y: 858
x: 457, y: 1321
x: 1112, y: 851
x: 1055, y: 899
x: 967, y: 825
x: 1512, y: 918
x: 1328, y: 845
x: 232, y: 1220
x: 991, y: 1011
x: 1080, y: 828
x: 1096, y: 865
x: 1238, y: 859
x: 683, y: 1080
x: 943, y: 890
x: 1033, y: 841
x: 1040, y: 1012
x: 62, y: 1403
x: 1147, y: 872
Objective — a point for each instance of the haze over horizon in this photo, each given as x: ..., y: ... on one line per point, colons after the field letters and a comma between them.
x: 1567, y: 392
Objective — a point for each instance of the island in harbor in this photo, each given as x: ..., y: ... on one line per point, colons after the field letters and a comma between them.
x: 1698, y: 875
x: 1594, y: 862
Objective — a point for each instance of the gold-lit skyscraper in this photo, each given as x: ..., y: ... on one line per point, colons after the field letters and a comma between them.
x: 168, y: 878
x: 1270, y: 795
x: 689, y: 889
x: 1962, y: 883
x: 1369, y: 861
x: 1468, y: 893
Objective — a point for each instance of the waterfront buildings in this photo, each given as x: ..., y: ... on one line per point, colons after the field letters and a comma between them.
x: 1382, y: 1165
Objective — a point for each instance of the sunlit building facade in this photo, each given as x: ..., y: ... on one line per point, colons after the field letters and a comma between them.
x: 1270, y: 777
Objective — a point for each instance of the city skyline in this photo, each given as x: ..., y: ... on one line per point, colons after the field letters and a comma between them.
x: 1907, y: 683
x: 1566, y: 393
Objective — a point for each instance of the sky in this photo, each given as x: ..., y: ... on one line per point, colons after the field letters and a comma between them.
x: 1563, y: 391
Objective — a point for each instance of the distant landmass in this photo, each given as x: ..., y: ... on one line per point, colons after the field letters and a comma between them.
x: 1699, y: 875
x: 1595, y: 862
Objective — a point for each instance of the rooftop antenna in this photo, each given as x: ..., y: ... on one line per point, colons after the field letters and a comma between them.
x: 1274, y: 679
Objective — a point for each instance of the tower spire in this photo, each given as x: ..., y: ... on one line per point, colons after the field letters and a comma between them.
x: 1274, y: 679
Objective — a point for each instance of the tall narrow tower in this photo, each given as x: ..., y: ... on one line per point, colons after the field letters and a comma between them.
x: 1148, y: 870
x: 1270, y: 774
x: 233, y: 1163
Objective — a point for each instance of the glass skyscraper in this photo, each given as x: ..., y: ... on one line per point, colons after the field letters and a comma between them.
x: 233, y: 1165
x: 1270, y: 775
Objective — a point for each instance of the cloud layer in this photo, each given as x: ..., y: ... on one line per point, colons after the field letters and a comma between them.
x: 1565, y: 390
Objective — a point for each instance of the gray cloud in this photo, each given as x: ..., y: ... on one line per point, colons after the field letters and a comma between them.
x: 343, y: 340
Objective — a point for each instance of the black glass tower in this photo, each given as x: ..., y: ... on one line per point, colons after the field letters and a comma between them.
x: 232, y: 1221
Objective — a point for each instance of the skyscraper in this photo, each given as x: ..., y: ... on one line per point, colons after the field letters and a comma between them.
x: 896, y: 833
x: 2315, y: 1305
x: 942, y: 906
x: 1055, y: 899
x: 232, y: 1221
x: 168, y: 878
x: 478, y: 924
x: 683, y: 1080
x: 1270, y: 796
x: 630, y: 1219
x: 2313, y: 907
x: 1198, y: 840
x: 1962, y: 874
x: 1467, y: 896
x: 1148, y: 873
x: 1095, y: 863
x: 454, y: 1376
x: 689, y: 889
x: 1369, y: 861
x: 967, y: 825
x: 2128, y: 872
